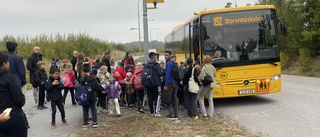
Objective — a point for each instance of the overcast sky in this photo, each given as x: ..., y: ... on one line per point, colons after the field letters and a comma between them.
x: 105, y: 19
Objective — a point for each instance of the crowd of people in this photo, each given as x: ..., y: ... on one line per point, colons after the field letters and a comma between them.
x: 107, y: 89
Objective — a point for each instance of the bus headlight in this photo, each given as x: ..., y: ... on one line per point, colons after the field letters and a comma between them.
x: 217, y: 84
x: 275, y: 77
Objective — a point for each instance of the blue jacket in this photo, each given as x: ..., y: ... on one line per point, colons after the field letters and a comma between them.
x: 17, y: 68
x: 157, y: 69
x: 168, y: 73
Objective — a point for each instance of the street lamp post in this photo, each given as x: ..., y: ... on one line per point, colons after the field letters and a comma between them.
x: 145, y: 30
x: 139, y: 26
x: 151, y: 31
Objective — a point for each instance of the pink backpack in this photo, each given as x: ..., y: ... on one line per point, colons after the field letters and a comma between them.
x: 137, y: 81
x: 66, y: 80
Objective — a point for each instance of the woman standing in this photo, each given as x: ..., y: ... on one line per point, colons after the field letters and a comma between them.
x: 79, y: 67
x: 11, y: 97
x: 207, y: 69
x: 128, y: 61
x: 106, y: 59
x: 190, y: 98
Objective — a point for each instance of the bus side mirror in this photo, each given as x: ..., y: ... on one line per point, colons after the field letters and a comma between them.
x: 283, y: 27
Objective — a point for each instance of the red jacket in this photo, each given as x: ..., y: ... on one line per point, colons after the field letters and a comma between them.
x: 120, y: 74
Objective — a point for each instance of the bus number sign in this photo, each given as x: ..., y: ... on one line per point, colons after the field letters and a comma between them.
x: 217, y: 21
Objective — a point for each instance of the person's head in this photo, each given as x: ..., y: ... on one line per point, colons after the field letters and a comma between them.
x: 57, y: 59
x: 94, y: 64
x: 217, y: 53
x: 207, y: 59
x: 103, y: 69
x: 81, y: 57
x: 75, y: 53
x: 162, y: 64
x: 53, y: 59
x: 54, y: 73
x: 4, y: 61
x: 182, y: 64
x: 153, y: 56
x: 128, y: 75
x: 111, y: 78
x: 36, y: 50
x: 138, y: 65
x: 174, y: 59
x: 120, y: 64
x: 101, y: 63
x: 86, y: 59
x: 107, y: 54
x: 67, y: 68
x: 167, y: 55
x: 189, y: 61
x: 41, y: 65
x: 12, y: 47
x: 86, y: 67
x: 128, y: 55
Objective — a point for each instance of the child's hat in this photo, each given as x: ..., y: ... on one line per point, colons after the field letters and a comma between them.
x: 94, y: 63
x: 129, y: 74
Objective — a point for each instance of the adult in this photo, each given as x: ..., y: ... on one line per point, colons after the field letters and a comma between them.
x: 207, y: 69
x: 190, y: 98
x: 33, y: 67
x: 11, y: 96
x: 79, y: 66
x: 106, y: 59
x: 171, y: 85
x: 17, y: 66
x: 128, y: 61
x: 74, y: 60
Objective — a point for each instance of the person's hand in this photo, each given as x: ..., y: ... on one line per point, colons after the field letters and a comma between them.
x: 4, y: 117
x: 165, y: 88
x: 55, y: 82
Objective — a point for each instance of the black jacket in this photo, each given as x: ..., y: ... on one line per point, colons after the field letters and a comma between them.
x: 40, y: 78
x: 74, y: 63
x: 17, y: 68
x: 187, y: 76
x: 11, y: 95
x: 107, y: 62
x: 54, y: 91
x: 92, y: 82
x: 157, y: 69
x: 32, y: 63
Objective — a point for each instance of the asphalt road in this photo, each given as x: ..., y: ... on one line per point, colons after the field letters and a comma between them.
x: 293, y: 112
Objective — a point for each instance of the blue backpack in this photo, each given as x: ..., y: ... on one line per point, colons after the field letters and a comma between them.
x: 147, y: 77
x: 83, y: 95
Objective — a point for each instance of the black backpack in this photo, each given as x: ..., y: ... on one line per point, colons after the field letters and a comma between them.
x: 53, y: 65
x: 177, y: 74
x: 147, y: 77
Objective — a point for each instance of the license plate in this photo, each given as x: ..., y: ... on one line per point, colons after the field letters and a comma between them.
x: 242, y: 92
x: 263, y: 86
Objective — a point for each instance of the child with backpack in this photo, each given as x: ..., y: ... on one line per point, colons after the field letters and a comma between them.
x: 114, y: 91
x: 151, y: 80
x: 129, y: 90
x: 139, y: 89
x: 68, y: 78
x: 54, y: 87
x: 92, y: 88
x: 40, y: 77
x: 103, y: 76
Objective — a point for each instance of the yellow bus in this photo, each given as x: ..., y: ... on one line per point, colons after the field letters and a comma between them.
x: 243, y: 43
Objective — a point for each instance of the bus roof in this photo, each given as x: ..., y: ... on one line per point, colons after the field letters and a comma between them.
x: 234, y: 9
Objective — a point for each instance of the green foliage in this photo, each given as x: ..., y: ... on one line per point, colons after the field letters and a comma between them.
x: 61, y: 46
x: 285, y: 60
x: 303, y: 63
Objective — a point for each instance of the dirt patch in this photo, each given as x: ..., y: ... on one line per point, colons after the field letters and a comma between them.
x: 132, y: 124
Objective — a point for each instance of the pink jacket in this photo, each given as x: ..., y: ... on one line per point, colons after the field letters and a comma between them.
x: 69, y: 80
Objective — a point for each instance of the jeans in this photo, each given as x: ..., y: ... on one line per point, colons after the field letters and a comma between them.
x: 173, y: 108
x: 203, y: 91
x: 59, y: 104
x: 92, y: 107
x: 35, y: 95
x: 190, y: 102
x: 102, y: 99
x: 42, y: 93
x: 66, y: 93
x: 152, y: 94
x: 140, y: 95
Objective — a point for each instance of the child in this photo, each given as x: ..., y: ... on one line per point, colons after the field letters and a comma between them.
x: 68, y: 78
x: 129, y: 90
x: 94, y: 68
x: 40, y: 79
x: 92, y: 85
x: 54, y: 87
x: 114, y: 91
x: 139, y: 89
x: 120, y: 74
x: 103, y: 76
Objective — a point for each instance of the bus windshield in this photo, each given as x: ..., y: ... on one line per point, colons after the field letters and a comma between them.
x: 244, y: 36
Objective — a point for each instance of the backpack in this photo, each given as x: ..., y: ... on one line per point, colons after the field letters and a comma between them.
x: 177, y: 74
x: 53, y: 65
x: 137, y: 81
x: 66, y: 80
x: 82, y: 96
x: 147, y: 77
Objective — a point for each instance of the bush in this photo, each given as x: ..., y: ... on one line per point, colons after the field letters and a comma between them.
x: 285, y: 60
x: 303, y: 63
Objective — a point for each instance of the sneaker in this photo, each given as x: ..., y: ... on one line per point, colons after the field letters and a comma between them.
x: 104, y: 111
x: 196, y: 117
x: 157, y: 115
x: 172, y: 117
x: 95, y: 125
x: 53, y: 125
x: 141, y: 111
x: 40, y: 108
x: 152, y: 114
x: 44, y: 107
x: 64, y: 121
x: 98, y: 111
x: 85, y: 125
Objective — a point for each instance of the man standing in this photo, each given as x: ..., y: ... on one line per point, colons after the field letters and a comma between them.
x: 33, y: 67
x: 74, y: 60
x: 171, y: 85
x: 17, y: 67
x: 106, y: 59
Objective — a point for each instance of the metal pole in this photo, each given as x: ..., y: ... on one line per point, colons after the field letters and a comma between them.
x: 139, y: 27
x: 145, y: 30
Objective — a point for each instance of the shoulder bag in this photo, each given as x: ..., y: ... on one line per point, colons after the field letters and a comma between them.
x: 193, y: 86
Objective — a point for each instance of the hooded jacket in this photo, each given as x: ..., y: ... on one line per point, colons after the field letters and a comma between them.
x: 11, y: 95
x: 92, y: 82
x: 157, y: 68
x: 54, y: 91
